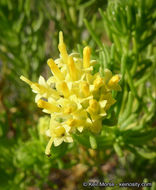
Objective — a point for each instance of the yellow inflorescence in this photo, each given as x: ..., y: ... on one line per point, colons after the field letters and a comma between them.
x: 73, y: 97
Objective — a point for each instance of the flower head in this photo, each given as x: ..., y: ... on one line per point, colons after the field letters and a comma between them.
x: 73, y: 97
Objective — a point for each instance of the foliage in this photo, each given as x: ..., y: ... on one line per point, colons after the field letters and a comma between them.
x: 121, y: 34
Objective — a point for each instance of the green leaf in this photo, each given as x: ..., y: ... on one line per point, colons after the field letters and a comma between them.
x: 82, y: 139
x: 118, y: 149
x: 93, y: 142
x: 141, y: 138
x: 131, y: 119
x: 27, y: 7
x: 38, y: 22
x: 146, y: 153
x: 127, y: 110
x: 59, y: 151
x: 18, y: 24
x: 93, y: 33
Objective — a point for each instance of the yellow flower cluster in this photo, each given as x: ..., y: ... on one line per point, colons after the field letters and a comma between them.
x: 73, y: 97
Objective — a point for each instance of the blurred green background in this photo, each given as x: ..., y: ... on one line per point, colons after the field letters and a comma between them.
x: 122, y: 37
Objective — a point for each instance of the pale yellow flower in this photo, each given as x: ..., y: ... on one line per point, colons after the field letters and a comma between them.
x: 43, y: 126
x: 73, y: 97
